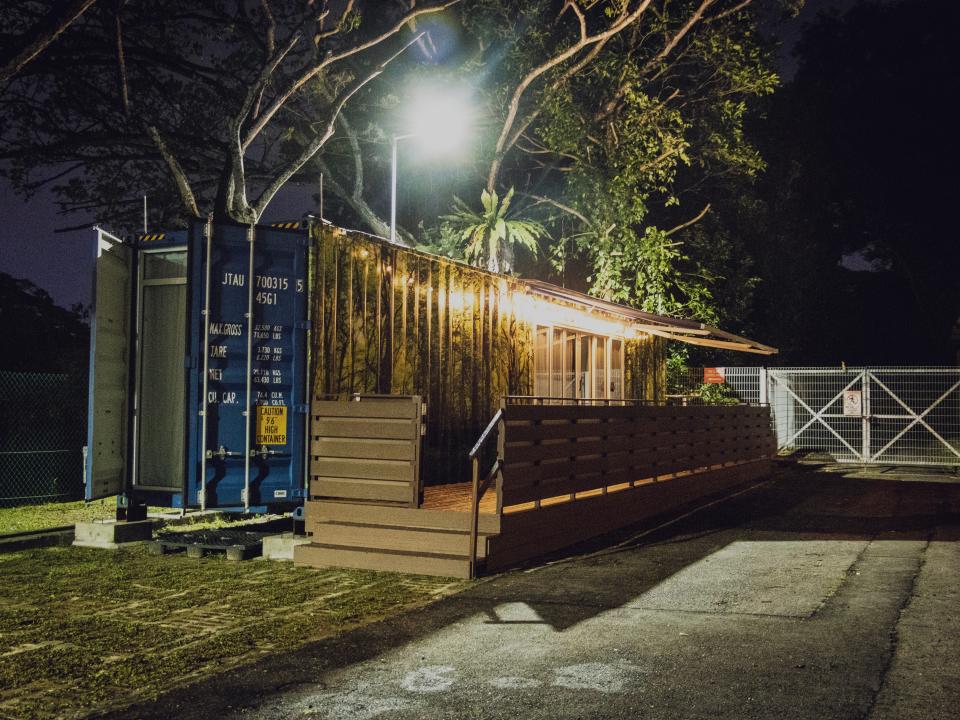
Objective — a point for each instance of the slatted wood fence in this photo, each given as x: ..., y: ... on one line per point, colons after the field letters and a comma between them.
x: 570, y: 473
x: 548, y: 451
x: 563, y: 474
x: 367, y: 450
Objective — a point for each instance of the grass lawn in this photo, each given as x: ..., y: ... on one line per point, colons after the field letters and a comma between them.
x: 41, y: 517
x: 28, y: 518
x: 84, y: 630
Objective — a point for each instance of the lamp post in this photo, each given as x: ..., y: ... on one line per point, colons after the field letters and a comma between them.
x: 441, y: 117
x: 393, y: 185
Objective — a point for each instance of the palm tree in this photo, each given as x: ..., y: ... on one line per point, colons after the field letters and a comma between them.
x: 489, y: 238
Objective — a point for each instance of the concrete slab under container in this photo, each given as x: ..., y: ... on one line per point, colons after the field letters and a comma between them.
x: 280, y: 547
x: 111, y: 534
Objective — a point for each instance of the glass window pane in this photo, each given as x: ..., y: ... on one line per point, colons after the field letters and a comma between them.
x: 601, y: 369
x: 616, y: 370
x: 585, y: 388
x: 570, y: 366
x: 556, y: 374
x: 161, y: 411
x: 541, y: 359
x: 162, y: 266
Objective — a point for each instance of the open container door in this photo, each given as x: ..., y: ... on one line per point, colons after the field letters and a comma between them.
x: 157, y: 463
x: 109, y: 379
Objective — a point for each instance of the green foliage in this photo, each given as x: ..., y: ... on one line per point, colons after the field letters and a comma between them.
x: 647, y: 270
x: 718, y: 394
x: 677, y: 370
x: 489, y: 238
x: 635, y: 143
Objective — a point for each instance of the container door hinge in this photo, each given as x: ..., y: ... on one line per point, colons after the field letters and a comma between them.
x: 304, y: 325
x: 243, y: 495
x: 200, y: 497
x: 302, y: 409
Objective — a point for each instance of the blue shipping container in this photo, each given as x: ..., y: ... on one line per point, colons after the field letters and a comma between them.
x: 198, y: 368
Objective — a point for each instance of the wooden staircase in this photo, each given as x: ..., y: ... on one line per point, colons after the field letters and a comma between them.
x: 401, y: 539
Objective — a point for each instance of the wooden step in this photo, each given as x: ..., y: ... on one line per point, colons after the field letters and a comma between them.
x: 323, y: 555
x: 394, y: 537
x: 321, y: 511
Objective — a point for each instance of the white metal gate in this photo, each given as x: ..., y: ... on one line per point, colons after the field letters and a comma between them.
x: 877, y: 415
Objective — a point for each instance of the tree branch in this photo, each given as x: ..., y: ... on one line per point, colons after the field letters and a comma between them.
x: 729, y: 11
x: 573, y: 70
x: 271, y: 27
x: 324, y: 34
x: 271, y: 46
x: 45, y: 33
x: 233, y: 195
x: 32, y: 187
x: 122, y: 65
x: 318, y: 142
x: 506, y: 132
x: 312, y: 72
x: 560, y: 206
x: 358, y: 204
x: 679, y: 35
x: 179, y: 176
x: 357, y: 156
x: 690, y: 222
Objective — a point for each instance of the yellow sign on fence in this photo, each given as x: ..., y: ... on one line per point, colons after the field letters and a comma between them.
x: 271, y: 425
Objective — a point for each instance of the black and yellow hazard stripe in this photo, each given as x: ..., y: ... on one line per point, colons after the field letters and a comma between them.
x: 151, y: 237
x: 286, y: 225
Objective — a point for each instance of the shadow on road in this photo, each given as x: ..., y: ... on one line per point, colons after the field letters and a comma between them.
x: 797, y: 505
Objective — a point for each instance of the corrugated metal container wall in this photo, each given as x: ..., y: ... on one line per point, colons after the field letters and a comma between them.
x: 389, y: 320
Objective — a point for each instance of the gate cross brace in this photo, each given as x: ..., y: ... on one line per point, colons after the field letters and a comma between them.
x: 818, y: 416
x: 916, y: 418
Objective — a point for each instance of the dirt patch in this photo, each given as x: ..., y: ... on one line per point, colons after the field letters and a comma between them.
x: 86, y: 630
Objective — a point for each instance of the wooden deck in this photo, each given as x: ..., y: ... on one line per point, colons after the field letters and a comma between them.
x: 456, y: 498
x: 566, y: 474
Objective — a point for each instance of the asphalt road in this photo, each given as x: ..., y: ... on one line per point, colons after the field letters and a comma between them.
x: 810, y: 595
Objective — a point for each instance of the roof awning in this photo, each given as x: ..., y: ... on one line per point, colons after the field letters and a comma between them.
x: 691, y: 332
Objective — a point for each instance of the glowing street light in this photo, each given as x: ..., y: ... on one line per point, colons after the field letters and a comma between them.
x: 440, y: 118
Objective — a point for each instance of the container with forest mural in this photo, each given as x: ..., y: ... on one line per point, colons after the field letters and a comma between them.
x: 391, y: 320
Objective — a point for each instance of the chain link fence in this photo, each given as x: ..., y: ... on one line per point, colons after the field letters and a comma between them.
x: 43, y: 426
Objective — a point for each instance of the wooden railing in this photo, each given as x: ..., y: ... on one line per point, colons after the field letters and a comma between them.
x: 549, y: 451
x: 478, y: 486
x: 580, y: 402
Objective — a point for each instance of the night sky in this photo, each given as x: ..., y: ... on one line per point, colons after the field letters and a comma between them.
x: 61, y: 263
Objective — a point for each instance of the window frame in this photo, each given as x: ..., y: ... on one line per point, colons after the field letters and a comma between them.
x: 554, y: 334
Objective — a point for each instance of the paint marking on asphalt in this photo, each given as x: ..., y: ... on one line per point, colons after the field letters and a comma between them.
x: 600, y: 677
x: 428, y: 679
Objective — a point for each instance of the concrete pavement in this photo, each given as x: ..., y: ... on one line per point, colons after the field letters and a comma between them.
x: 809, y: 596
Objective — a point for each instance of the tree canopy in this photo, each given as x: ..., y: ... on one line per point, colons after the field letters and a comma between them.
x: 610, y: 124
x: 192, y: 102
x: 851, y: 226
x: 40, y: 336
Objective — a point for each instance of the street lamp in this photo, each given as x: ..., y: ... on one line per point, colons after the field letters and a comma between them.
x: 439, y: 118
